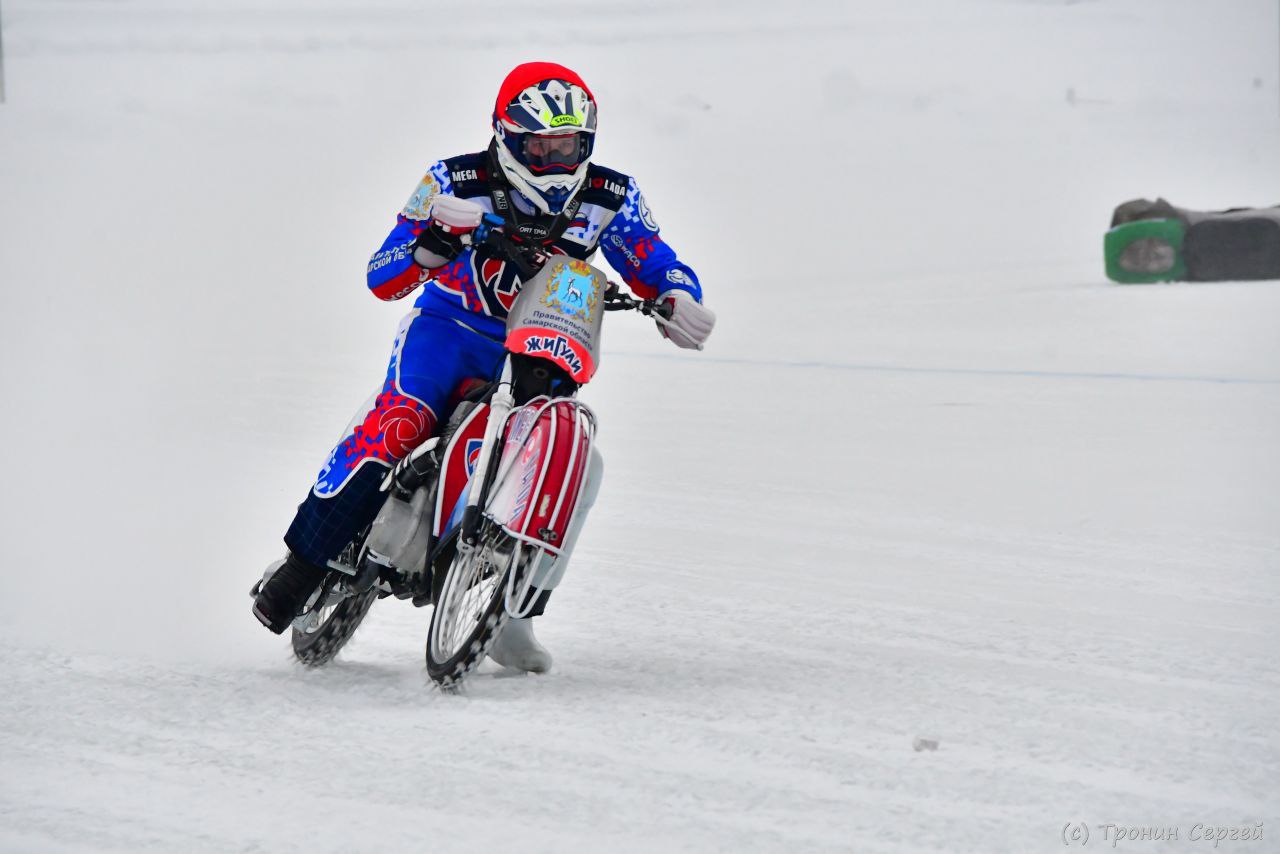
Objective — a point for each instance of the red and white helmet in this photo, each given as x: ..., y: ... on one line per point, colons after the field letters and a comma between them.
x: 544, y: 122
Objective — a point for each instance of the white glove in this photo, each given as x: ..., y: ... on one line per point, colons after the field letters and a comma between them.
x: 441, y: 241
x: 455, y: 214
x: 691, y: 322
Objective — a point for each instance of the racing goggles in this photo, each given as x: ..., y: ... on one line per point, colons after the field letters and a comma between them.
x: 559, y: 153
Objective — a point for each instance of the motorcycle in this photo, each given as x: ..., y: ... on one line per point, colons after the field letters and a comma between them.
x: 479, y: 521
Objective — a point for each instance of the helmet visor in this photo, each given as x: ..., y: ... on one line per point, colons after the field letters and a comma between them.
x: 552, y: 154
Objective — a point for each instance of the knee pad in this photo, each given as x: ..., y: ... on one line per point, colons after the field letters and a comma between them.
x: 385, y: 430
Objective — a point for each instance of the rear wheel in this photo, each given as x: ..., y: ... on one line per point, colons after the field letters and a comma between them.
x: 336, y: 615
x: 471, y: 609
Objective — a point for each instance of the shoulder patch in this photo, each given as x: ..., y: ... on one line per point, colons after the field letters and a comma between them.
x: 635, y: 212
x: 436, y: 181
x: 605, y: 187
x: 642, y: 208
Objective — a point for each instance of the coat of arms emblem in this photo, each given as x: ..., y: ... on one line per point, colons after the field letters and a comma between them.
x: 572, y: 290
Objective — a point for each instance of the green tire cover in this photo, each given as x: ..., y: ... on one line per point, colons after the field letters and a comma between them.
x: 1148, y: 250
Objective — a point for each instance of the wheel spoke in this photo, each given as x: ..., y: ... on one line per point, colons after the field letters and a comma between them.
x: 473, y: 581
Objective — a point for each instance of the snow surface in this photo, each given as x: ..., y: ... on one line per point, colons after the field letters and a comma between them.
x: 933, y: 477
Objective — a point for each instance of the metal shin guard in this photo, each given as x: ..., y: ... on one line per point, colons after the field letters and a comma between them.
x: 551, y: 571
x: 550, y: 575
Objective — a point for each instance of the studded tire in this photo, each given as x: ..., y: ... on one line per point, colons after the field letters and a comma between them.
x: 319, y: 646
x: 448, y: 668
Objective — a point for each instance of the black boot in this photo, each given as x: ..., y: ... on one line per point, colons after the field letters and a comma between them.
x: 281, y: 597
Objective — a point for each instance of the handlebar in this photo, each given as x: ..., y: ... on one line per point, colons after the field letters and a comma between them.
x: 529, y: 259
x: 616, y: 300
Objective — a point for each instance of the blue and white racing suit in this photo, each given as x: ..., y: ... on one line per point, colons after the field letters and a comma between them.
x: 455, y: 332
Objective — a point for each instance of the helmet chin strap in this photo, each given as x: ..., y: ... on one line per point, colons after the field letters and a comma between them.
x: 522, y: 202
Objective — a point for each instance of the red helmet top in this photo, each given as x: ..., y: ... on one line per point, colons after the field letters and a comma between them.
x: 531, y: 74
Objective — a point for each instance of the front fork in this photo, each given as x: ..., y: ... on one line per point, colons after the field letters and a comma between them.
x: 500, y: 406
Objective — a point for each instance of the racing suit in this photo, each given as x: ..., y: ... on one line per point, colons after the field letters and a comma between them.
x: 456, y: 329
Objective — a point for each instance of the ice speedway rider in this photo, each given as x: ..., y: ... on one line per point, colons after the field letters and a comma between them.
x: 538, y: 175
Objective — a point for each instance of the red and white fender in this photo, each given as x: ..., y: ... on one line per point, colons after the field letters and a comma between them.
x: 542, y: 471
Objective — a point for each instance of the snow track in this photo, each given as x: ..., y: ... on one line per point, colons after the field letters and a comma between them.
x: 932, y: 477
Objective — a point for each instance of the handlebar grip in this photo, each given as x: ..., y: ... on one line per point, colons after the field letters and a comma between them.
x: 488, y: 223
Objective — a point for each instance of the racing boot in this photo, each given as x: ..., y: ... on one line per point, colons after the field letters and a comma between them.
x: 280, y: 596
x: 518, y: 649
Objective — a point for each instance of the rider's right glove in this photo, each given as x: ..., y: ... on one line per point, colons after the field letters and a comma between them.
x: 691, y: 322
x: 441, y: 241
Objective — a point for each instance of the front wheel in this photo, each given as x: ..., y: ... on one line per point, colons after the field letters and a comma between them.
x: 471, y: 608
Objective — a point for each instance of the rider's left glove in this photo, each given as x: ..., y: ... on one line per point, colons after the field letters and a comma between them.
x: 441, y: 241
x: 691, y: 322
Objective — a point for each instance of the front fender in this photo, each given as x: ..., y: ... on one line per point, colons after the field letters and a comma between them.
x: 542, y: 471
